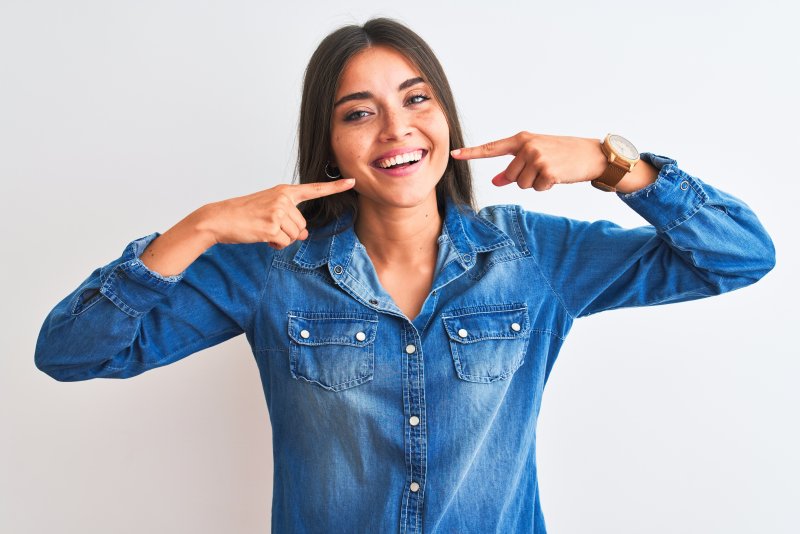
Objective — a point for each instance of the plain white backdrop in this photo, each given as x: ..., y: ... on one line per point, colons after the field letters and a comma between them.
x: 117, y: 119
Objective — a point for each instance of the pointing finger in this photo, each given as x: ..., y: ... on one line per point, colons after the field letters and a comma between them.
x: 310, y: 191
x: 502, y: 147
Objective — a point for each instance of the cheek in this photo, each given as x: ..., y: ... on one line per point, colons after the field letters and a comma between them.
x: 349, y: 150
x: 436, y: 124
x: 439, y: 134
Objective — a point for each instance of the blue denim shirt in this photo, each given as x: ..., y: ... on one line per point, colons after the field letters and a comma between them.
x: 385, y: 424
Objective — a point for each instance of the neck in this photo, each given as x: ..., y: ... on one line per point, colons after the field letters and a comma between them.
x: 394, y: 235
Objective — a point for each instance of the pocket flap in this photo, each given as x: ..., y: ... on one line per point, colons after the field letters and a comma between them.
x: 310, y: 328
x: 501, y: 321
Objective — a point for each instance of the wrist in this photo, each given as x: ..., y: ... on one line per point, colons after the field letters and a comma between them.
x: 201, y: 223
x: 642, y: 175
x: 599, y: 160
x: 171, y: 253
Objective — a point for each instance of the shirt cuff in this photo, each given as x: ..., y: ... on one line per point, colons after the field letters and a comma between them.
x: 673, y: 198
x: 131, y: 286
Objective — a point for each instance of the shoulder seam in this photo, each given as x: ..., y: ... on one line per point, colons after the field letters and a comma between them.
x: 263, y: 292
x: 544, y: 276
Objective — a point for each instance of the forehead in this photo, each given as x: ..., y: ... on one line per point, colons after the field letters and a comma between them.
x: 376, y: 68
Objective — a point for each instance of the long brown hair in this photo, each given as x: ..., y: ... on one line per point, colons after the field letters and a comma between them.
x: 320, y: 84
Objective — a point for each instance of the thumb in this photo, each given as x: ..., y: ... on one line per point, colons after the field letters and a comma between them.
x: 500, y: 180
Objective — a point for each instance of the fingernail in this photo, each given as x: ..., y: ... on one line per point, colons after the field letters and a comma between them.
x: 455, y: 152
x: 350, y: 181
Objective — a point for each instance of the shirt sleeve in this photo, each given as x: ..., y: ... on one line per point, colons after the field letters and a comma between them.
x: 125, y: 319
x: 700, y: 242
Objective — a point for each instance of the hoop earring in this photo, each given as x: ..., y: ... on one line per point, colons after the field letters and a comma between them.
x: 329, y: 175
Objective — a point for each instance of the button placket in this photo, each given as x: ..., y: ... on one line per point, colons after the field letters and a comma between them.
x: 416, y: 442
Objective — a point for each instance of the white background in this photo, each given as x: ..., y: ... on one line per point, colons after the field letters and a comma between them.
x: 119, y: 118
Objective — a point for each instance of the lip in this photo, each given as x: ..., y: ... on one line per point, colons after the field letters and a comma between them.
x: 397, y: 152
x: 401, y: 171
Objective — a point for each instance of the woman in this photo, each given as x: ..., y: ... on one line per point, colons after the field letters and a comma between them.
x: 403, y: 339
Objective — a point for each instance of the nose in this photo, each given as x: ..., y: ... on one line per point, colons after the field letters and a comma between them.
x: 395, y: 125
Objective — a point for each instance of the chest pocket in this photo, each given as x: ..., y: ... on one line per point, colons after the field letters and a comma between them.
x: 488, y: 343
x: 333, y: 351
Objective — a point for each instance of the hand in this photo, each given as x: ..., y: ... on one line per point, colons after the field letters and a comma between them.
x: 268, y: 216
x: 541, y: 161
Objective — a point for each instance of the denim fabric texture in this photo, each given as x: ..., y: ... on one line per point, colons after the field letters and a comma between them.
x: 385, y: 424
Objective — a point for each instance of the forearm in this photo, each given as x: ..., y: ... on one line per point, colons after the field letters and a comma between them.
x: 700, y: 242
x: 177, y: 248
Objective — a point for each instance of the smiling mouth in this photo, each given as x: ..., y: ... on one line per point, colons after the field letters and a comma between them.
x: 409, y: 159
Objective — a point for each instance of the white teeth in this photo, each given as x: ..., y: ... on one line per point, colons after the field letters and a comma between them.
x: 402, y: 158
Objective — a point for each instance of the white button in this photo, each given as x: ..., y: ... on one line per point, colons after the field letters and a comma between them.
x: 410, y: 349
x: 414, y: 420
x: 304, y: 334
x: 414, y: 487
x: 463, y: 333
x: 515, y: 327
x: 361, y: 336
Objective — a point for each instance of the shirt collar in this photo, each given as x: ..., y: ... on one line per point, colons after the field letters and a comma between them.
x: 334, y: 243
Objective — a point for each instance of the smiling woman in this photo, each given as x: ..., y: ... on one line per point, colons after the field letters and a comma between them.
x: 349, y: 86
x: 403, y: 338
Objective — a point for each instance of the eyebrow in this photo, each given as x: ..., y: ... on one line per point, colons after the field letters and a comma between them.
x: 363, y: 95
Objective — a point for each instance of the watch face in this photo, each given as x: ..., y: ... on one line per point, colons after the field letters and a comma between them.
x: 624, y: 147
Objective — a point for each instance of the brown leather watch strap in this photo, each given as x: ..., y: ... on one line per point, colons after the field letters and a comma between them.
x: 610, y: 178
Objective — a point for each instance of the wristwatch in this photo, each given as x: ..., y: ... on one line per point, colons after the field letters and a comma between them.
x: 622, y: 157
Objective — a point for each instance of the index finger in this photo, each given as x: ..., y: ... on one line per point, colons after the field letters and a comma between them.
x: 492, y: 149
x: 301, y: 192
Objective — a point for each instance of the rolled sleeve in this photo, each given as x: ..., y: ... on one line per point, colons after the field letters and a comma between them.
x: 131, y: 285
x: 673, y: 198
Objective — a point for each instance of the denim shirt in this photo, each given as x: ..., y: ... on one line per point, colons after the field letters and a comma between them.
x: 385, y: 424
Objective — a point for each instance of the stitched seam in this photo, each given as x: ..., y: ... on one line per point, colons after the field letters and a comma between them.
x: 683, y: 218
x: 366, y: 289
x: 549, y: 285
x: 544, y: 277
x: 260, y: 299
x: 106, y: 290
x: 406, y: 402
x: 423, y: 439
x: 515, y: 211
x: 302, y: 270
x: 502, y: 259
x: 81, y: 306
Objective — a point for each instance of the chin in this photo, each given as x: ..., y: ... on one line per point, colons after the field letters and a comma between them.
x: 407, y: 192
x: 410, y: 200
x: 400, y: 199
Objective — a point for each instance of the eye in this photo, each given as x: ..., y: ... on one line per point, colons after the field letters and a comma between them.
x: 354, y: 116
x: 418, y: 98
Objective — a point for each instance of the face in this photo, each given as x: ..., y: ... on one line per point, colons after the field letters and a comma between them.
x: 387, y: 130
